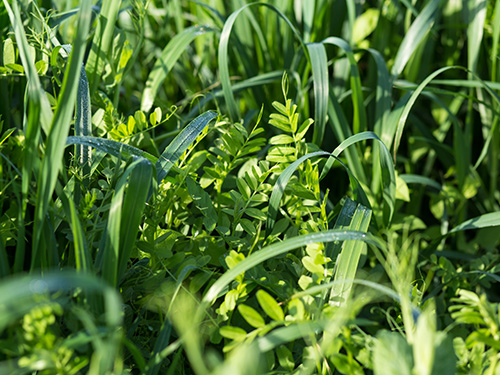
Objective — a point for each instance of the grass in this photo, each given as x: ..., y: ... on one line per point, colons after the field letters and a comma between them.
x: 275, y: 187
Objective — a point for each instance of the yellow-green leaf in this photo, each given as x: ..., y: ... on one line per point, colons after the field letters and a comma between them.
x: 270, y: 306
x: 251, y: 316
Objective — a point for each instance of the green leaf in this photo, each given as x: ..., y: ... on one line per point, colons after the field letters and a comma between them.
x: 256, y: 214
x: 281, y: 139
x: 251, y: 316
x: 9, y: 52
x: 15, y: 67
x: 445, y: 360
x: 270, y: 306
x: 243, y: 188
x: 203, y: 202
x: 392, y: 355
x: 41, y: 67
x: 285, y: 358
x: 233, y: 333
x: 402, y: 191
x: 248, y: 227
x: 364, y: 25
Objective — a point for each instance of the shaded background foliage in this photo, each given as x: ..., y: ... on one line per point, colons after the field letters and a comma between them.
x: 235, y: 187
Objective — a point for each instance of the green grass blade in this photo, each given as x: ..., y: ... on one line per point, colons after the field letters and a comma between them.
x: 161, y: 344
x: 133, y: 207
x: 280, y: 185
x: 386, y: 168
x: 56, y: 139
x: 342, y: 131
x: 319, y: 63
x: 383, y: 92
x: 496, y: 41
x: 83, y: 258
x: 4, y: 260
x: 359, y: 116
x: 124, y: 219
x: 348, y: 260
x: 176, y: 148
x: 414, y: 36
x: 223, y: 55
x: 308, y: 19
x: 422, y: 180
x: 401, y: 122
x: 115, y: 148
x: 39, y: 115
x: 491, y: 219
x: 476, y: 11
x: 102, y: 42
x: 83, y: 125
x: 167, y: 60
x: 260, y: 80
x: 276, y: 249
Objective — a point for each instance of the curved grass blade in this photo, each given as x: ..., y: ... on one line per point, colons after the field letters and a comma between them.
x: 425, y: 181
x: 111, y: 147
x: 386, y: 168
x: 296, y: 331
x: 411, y: 101
x: 124, y: 219
x: 102, y: 42
x: 491, y: 219
x: 179, y: 145
x: 56, y: 139
x: 276, y: 249
x: 260, y: 80
x: 383, y: 92
x: 342, y: 131
x: 422, y: 180
x: 279, y: 187
x: 167, y: 60
x: 319, y: 63
x: 223, y: 55
x: 359, y: 115
x: 414, y: 36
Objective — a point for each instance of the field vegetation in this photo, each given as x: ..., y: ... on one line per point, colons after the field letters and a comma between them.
x: 227, y: 187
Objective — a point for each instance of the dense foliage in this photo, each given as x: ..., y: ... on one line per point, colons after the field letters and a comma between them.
x: 225, y: 187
